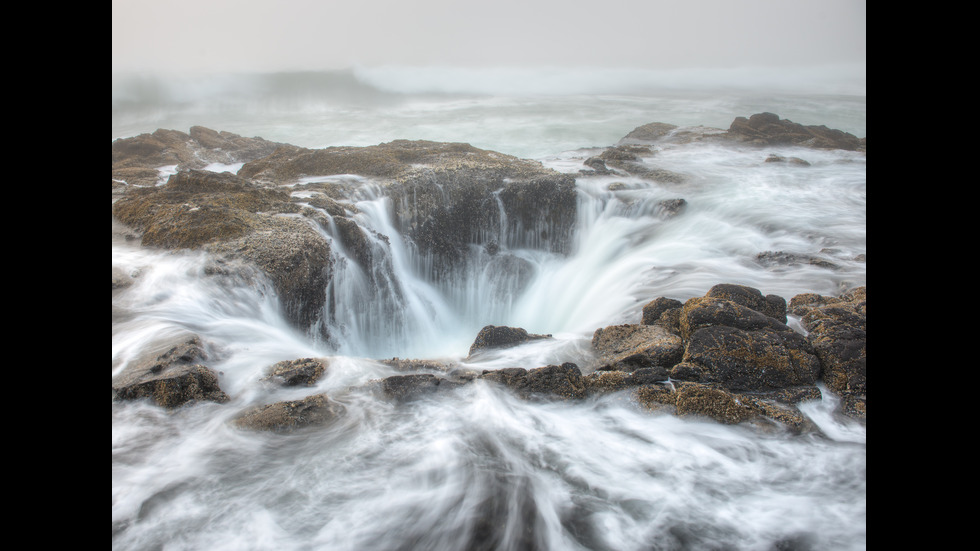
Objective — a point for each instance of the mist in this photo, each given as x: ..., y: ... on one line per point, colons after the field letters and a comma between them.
x: 231, y: 36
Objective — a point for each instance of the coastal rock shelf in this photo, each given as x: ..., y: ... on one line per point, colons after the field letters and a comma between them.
x: 294, y: 219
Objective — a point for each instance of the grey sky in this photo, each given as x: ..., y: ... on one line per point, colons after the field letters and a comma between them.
x: 237, y: 35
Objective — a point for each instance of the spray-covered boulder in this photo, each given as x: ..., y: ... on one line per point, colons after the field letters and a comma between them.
x: 563, y: 381
x: 290, y: 415
x: 499, y: 336
x: 632, y: 346
x: 236, y: 218
x: 172, y: 378
x: 837, y: 330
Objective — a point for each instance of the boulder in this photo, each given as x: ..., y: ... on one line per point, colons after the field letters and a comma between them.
x: 773, y: 306
x: 498, y: 336
x: 287, y: 416
x: 554, y: 381
x: 631, y: 346
x: 171, y: 379
x: 654, y: 309
x: 299, y: 372
x: 768, y: 129
x: 837, y: 330
x: 404, y: 388
x: 761, y: 359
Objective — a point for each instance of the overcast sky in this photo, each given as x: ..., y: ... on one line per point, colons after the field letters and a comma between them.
x: 254, y: 35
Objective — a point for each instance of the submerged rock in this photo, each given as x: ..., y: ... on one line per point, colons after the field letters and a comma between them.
x: 288, y: 416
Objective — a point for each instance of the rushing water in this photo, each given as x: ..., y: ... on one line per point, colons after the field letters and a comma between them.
x: 479, y: 468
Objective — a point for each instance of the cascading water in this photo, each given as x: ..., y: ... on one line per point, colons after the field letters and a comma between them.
x: 480, y: 468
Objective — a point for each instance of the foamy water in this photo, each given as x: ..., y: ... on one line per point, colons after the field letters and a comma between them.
x: 481, y: 469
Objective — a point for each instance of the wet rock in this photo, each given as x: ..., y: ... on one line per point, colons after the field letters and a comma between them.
x: 651, y: 132
x: 288, y: 416
x: 611, y: 381
x: 631, y: 346
x: 404, y: 388
x: 773, y: 158
x: 837, y: 329
x: 299, y: 372
x: 135, y: 160
x: 670, y: 208
x: 655, y: 308
x: 498, y: 336
x: 171, y: 379
x: 762, y: 359
x: 556, y: 381
x: 783, y: 258
x: 768, y: 129
x: 773, y: 306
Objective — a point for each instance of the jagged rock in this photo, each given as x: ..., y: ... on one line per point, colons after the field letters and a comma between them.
x: 632, y: 346
x: 651, y: 132
x: 135, y: 160
x: 287, y: 416
x: 561, y: 381
x: 498, y: 336
x: 837, y: 330
x: 741, y: 348
x: 231, y: 216
x: 769, y: 129
x: 761, y: 359
x: 446, y: 196
x: 299, y: 372
x: 171, y: 379
x: 654, y: 309
x: 687, y: 399
x: 773, y: 306
x: 611, y: 381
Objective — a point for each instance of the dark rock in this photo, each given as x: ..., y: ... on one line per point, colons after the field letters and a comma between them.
x: 300, y: 372
x: 837, y: 330
x: 497, y: 336
x: 655, y: 308
x: 561, y: 381
x: 171, y: 379
x: 404, y: 388
x: 287, y: 416
x: 632, y: 346
x: 771, y: 305
x: 711, y: 311
x: 611, y: 381
x: 760, y: 359
x: 768, y: 129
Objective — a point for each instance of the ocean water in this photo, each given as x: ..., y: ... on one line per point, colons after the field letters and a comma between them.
x: 481, y: 469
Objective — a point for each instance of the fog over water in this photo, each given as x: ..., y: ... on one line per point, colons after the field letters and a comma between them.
x: 482, y: 468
